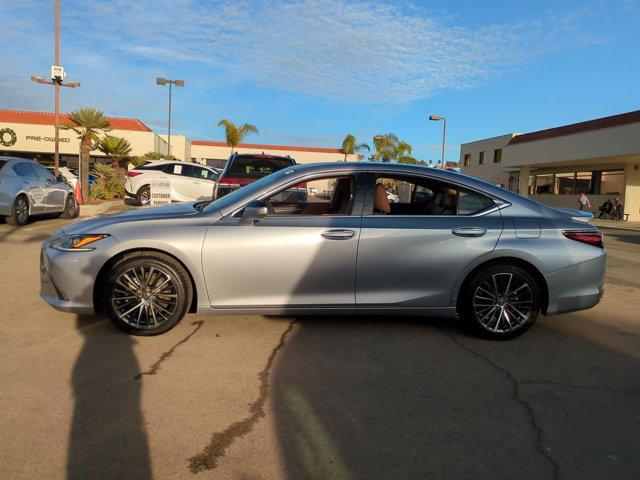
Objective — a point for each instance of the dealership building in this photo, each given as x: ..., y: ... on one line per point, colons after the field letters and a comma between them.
x: 31, y: 135
x: 599, y: 157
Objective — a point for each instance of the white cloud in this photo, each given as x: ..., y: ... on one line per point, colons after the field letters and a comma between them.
x: 353, y: 52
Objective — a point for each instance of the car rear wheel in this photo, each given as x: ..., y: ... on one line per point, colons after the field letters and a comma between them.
x: 71, y: 209
x: 502, y: 302
x: 147, y: 293
x: 144, y: 195
x: 19, y: 212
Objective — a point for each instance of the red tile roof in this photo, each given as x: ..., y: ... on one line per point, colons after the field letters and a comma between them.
x: 264, y: 146
x: 45, y: 118
x: 597, y: 124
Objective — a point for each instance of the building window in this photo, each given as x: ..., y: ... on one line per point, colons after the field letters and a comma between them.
x: 544, y: 183
x: 565, y: 183
x: 497, y: 155
x: 481, y: 158
x: 584, y: 182
x: 467, y: 159
x: 612, y: 182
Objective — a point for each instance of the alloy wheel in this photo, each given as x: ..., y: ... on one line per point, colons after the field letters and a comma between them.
x: 22, y: 210
x: 503, y: 302
x: 145, y: 297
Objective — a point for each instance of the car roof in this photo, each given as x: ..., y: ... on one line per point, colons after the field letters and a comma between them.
x: 16, y: 159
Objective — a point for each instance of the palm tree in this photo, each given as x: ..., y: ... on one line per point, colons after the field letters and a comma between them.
x: 115, y: 147
x: 350, y: 146
x: 386, y: 147
x: 88, y: 123
x: 235, y: 134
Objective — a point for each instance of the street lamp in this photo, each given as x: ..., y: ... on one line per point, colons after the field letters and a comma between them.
x: 436, y: 118
x: 177, y: 83
x: 57, y: 77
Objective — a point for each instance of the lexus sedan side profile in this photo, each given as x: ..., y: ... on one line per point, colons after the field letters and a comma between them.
x: 27, y: 188
x: 451, y: 245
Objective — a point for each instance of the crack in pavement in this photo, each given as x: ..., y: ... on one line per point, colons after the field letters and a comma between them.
x: 221, y: 441
x: 156, y: 366
x: 516, y: 396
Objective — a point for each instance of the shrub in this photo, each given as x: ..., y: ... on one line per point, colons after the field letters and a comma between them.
x: 109, y: 185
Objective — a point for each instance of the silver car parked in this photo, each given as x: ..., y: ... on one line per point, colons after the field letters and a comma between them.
x: 451, y: 245
x: 27, y: 188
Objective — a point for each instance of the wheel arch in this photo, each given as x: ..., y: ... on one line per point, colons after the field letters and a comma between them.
x: 104, y: 270
x: 508, y: 260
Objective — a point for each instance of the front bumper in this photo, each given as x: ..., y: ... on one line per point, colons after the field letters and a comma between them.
x: 67, y: 279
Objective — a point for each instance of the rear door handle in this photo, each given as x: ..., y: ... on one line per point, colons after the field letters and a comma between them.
x: 469, y: 231
x: 338, y: 234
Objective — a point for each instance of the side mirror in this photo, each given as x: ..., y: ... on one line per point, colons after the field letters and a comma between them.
x: 255, y: 210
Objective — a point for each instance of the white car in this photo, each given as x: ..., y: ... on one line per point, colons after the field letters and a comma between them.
x: 189, y: 181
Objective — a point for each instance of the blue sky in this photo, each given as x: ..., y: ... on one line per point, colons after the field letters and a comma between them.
x: 307, y: 72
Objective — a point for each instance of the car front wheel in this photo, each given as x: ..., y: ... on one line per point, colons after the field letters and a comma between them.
x: 502, y: 302
x: 147, y: 293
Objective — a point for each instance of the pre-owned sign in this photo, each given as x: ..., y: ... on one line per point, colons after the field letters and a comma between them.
x: 45, y: 139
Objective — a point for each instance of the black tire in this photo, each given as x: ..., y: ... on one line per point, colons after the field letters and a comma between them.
x: 71, y: 208
x: 159, y: 314
x: 501, y: 302
x: 19, y: 212
x: 144, y: 195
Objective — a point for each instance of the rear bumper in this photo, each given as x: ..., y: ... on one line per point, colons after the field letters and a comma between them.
x: 577, y: 287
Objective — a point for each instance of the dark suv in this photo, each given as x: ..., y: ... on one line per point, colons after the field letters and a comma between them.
x: 242, y: 169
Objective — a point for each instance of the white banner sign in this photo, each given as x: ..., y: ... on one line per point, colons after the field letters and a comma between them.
x: 160, y: 192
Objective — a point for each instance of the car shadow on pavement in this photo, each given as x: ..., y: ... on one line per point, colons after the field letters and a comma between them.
x: 108, y: 437
x: 409, y: 397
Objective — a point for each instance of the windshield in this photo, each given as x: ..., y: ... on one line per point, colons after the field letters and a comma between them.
x: 245, y: 191
x: 257, y: 166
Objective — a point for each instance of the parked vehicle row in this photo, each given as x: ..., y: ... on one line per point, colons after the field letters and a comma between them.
x: 451, y: 245
x: 27, y: 188
x: 71, y: 176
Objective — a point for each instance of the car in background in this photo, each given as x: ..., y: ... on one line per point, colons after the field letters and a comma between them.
x: 452, y: 246
x: 189, y: 181
x: 243, y: 169
x: 27, y: 188
x: 71, y: 176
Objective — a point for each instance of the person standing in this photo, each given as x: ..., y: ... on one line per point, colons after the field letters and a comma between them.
x: 584, y: 201
x: 618, y: 208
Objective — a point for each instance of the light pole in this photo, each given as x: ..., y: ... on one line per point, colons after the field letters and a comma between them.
x: 177, y: 83
x: 57, y: 77
x: 436, y: 118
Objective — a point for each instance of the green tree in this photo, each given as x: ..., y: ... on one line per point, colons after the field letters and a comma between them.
x: 386, y: 146
x: 350, y: 146
x: 234, y: 134
x: 88, y: 123
x: 118, y: 149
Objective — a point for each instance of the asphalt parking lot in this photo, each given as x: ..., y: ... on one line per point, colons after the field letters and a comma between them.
x: 251, y: 397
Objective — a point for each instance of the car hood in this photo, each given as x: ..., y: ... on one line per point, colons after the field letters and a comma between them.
x: 94, y: 225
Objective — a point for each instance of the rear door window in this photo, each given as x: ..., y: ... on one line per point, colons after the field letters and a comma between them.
x: 24, y: 170
x: 42, y: 172
x: 470, y: 202
x: 2, y: 163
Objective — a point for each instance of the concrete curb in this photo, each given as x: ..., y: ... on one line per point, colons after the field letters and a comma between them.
x: 634, y: 227
x: 104, y: 207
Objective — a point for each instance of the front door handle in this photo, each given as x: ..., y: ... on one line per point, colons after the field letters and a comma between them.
x: 338, y: 234
x: 469, y: 231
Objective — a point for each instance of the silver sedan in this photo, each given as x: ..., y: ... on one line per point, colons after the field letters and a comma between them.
x: 450, y: 246
x: 27, y: 188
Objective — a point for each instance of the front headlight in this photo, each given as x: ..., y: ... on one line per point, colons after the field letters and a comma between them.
x: 74, y: 243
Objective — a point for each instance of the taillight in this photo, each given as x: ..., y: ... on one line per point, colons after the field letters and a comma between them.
x: 594, y: 239
x: 234, y: 182
x: 133, y: 173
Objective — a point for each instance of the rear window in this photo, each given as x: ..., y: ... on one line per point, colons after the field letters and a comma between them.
x: 258, y: 166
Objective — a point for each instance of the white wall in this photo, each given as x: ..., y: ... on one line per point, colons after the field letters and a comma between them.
x: 491, y: 172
